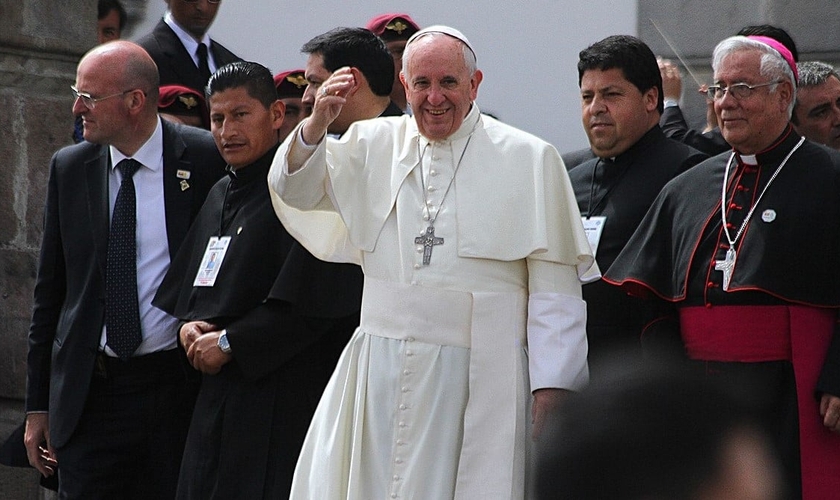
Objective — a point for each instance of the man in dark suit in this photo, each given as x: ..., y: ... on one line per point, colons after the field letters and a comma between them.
x: 178, y: 41
x: 111, y: 408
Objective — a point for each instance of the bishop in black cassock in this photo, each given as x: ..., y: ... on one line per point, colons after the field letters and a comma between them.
x: 770, y: 330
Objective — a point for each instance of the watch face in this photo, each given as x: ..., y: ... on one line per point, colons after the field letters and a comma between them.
x: 224, y: 345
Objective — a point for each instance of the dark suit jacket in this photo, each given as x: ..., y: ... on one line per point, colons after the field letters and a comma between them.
x: 69, y: 306
x: 175, y: 64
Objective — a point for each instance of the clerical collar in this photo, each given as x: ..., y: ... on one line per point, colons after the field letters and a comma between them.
x: 774, y: 153
x: 254, y: 171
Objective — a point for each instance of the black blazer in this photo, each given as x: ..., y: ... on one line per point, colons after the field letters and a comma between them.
x: 175, y: 64
x: 674, y: 126
x: 69, y: 306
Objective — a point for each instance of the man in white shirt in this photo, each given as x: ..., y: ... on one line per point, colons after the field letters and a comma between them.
x: 181, y: 46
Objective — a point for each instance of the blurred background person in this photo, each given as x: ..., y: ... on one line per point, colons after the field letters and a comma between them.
x: 111, y: 21
x: 395, y: 30
x: 290, y: 88
x: 180, y: 104
x: 656, y: 434
x: 181, y: 45
x: 816, y: 114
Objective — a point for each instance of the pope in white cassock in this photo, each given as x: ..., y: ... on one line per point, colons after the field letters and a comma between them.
x: 473, y: 252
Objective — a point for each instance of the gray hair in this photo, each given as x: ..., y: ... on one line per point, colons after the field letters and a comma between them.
x: 773, y: 66
x: 813, y: 73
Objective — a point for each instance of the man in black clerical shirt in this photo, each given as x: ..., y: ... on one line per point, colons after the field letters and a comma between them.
x: 621, y: 98
x: 259, y: 318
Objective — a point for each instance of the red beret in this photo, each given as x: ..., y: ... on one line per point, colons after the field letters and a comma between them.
x: 393, y: 26
x: 179, y: 100
x: 290, y: 83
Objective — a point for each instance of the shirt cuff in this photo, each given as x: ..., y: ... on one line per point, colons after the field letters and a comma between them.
x: 557, y: 346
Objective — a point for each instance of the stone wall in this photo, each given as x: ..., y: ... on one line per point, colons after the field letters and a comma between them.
x: 40, y: 43
x: 696, y: 26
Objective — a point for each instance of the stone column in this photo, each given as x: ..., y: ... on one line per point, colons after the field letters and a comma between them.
x: 40, y: 43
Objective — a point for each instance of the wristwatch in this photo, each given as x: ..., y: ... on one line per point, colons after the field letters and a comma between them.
x: 223, y: 343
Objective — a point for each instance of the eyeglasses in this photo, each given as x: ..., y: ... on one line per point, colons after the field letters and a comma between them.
x: 196, y: 1
x: 737, y: 90
x: 89, y: 101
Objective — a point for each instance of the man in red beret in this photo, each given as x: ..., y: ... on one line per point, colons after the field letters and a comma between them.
x: 290, y: 86
x: 395, y: 29
x: 181, y: 104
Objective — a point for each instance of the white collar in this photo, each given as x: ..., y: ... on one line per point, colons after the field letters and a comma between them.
x: 149, y: 154
x: 190, y: 43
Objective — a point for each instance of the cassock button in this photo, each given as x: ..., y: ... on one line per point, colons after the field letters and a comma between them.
x: 396, y: 478
x: 402, y: 424
x: 417, y: 266
x: 400, y: 442
x: 433, y: 172
x: 402, y: 407
x: 409, y: 353
x: 708, y: 305
x: 431, y: 189
x: 710, y: 284
x: 425, y: 216
x: 406, y: 372
x: 404, y: 389
x: 398, y: 460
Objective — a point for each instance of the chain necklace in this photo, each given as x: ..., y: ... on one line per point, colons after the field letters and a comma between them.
x: 727, y: 265
x: 428, y: 239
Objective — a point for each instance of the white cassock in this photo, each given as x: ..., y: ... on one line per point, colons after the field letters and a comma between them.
x: 431, y: 397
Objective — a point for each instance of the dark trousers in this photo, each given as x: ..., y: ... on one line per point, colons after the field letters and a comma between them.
x: 130, y: 439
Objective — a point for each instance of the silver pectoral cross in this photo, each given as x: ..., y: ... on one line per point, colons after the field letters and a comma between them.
x: 726, y: 265
x: 428, y: 240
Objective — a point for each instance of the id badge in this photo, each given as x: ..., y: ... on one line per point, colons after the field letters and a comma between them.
x: 212, y: 261
x: 594, y: 226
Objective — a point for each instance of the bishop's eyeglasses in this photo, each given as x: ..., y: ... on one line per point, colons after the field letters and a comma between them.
x: 737, y: 90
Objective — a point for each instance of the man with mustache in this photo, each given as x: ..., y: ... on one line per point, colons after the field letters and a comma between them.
x: 621, y: 101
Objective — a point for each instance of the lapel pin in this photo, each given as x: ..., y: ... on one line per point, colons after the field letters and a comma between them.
x: 768, y: 215
x: 183, y: 174
x: 184, y: 185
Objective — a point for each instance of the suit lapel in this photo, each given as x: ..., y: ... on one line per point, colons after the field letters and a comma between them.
x: 96, y: 182
x: 181, y: 61
x: 177, y: 187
